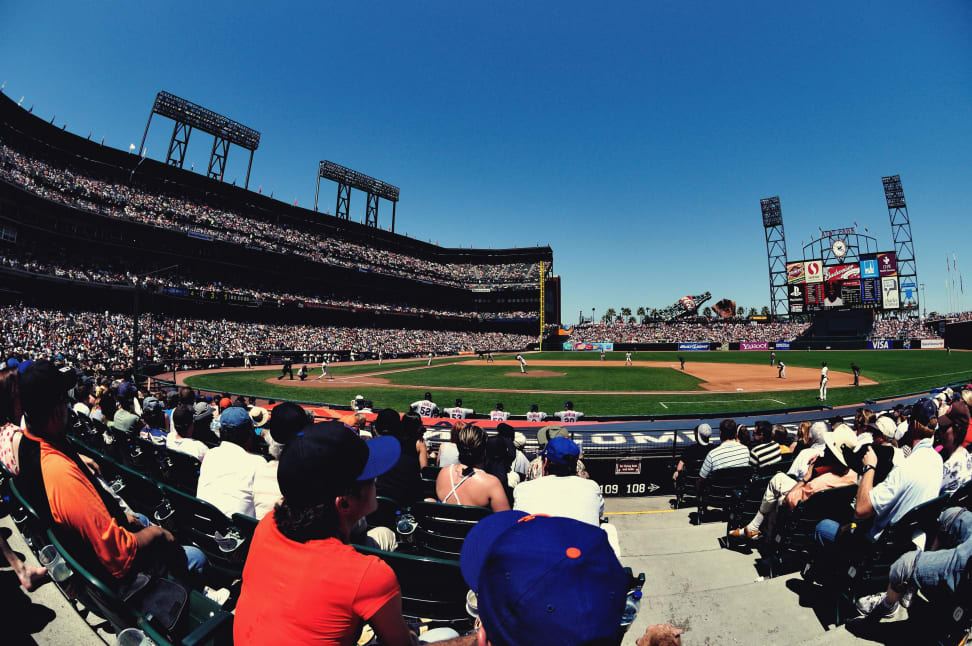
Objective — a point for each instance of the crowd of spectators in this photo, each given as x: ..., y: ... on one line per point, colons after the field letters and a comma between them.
x: 116, y: 272
x: 129, y: 201
x: 686, y: 331
x: 898, y: 328
x: 102, y: 341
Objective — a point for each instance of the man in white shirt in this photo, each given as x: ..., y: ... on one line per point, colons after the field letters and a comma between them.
x: 568, y: 415
x: 426, y: 407
x: 561, y: 492
x: 498, y: 414
x: 227, y: 474
x: 457, y: 411
x: 286, y: 420
x: 535, y: 414
x: 824, y: 378
x: 180, y: 439
x: 523, y: 363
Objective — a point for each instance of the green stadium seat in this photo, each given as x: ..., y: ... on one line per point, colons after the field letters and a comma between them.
x: 442, y: 528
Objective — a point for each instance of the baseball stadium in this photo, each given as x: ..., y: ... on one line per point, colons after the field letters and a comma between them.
x: 233, y: 419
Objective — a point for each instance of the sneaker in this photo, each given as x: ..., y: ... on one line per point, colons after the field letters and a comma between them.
x: 220, y: 595
x: 872, y: 607
x: 745, y: 532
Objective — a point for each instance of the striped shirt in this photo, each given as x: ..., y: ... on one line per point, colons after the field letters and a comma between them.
x: 727, y: 455
x: 764, y: 454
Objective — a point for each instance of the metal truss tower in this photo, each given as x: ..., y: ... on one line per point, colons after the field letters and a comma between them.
x: 904, y: 247
x: 346, y: 180
x: 188, y: 115
x: 543, y: 302
x: 775, y: 255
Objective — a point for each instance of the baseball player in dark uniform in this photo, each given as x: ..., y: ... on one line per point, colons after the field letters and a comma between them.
x: 682, y: 360
x: 288, y: 368
x: 856, y: 369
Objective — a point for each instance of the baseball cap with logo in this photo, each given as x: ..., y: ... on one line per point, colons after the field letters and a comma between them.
x: 924, y: 411
x: 544, y: 580
x: 324, y: 459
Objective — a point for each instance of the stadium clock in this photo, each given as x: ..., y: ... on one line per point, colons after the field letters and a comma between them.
x: 839, y: 248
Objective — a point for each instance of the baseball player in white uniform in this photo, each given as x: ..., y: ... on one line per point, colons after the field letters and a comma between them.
x: 781, y: 367
x: 523, y: 363
x: 430, y: 358
x: 426, y: 407
x: 824, y: 371
x: 324, y: 368
x: 627, y: 358
x: 535, y: 414
x: 246, y: 361
x: 381, y: 355
x: 498, y: 414
x: 457, y: 411
x: 568, y: 415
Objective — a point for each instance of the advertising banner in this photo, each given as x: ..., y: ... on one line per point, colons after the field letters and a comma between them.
x: 585, y: 347
x: 752, y: 345
x: 938, y: 344
x: 887, y: 264
x: 796, y: 295
x: 693, y: 347
x: 842, y: 272
x: 889, y: 293
x: 813, y: 269
x: 909, y: 294
x: 796, y: 272
x: 879, y: 344
x: 869, y: 268
x: 782, y: 345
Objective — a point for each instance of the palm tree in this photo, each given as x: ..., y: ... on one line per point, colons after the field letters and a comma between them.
x: 752, y: 311
x: 609, y: 315
x: 765, y: 311
x: 626, y: 312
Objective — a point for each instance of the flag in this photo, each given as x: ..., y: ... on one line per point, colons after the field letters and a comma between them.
x: 260, y: 190
x: 52, y: 119
x: 961, y: 284
x: 295, y: 201
x: 89, y: 135
x: 954, y: 261
x: 102, y: 140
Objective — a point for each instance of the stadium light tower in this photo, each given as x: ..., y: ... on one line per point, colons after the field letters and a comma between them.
x: 904, y: 247
x: 187, y: 115
x: 346, y: 180
x: 775, y: 254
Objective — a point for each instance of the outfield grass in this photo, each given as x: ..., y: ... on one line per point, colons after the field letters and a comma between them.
x: 898, y: 372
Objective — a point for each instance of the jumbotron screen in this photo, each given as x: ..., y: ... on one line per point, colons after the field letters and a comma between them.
x: 871, y: 283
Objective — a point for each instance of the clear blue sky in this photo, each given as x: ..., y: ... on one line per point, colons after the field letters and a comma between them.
x: 635, y: 138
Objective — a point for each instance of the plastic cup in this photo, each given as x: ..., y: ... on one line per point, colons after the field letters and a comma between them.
x: 48, y: 556
x: 472, y: 604
x: 131, y: 637
x: 59, y: 571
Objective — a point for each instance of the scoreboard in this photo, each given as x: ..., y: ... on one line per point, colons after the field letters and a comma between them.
x: 871, y: 283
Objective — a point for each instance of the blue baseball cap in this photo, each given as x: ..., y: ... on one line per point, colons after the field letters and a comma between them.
x: 562, y: 450
x: 23, y: 365
x: 924, y: 411
x: 13, y: 362
x: 543, y: 580
x: 127, y: 389
x: 234, y: 418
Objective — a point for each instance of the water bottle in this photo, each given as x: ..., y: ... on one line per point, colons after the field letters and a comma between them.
x: 631, y: 606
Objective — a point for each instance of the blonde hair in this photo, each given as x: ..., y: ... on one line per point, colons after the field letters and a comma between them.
x: 967, y: 397
x: 803, y: 432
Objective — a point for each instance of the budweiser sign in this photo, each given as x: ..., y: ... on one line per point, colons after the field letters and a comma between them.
x: 843, y: 272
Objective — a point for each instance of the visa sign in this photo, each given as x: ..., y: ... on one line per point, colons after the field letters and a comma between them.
x: 879, y: 344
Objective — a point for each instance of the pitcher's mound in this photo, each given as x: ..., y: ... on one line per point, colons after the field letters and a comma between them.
x: 535, y: 373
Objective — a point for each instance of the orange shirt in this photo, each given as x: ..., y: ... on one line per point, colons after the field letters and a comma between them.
x: 318, y: 592
x: 75, y: 503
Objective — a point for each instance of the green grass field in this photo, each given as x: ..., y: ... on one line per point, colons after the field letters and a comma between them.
x: 897, y: 371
